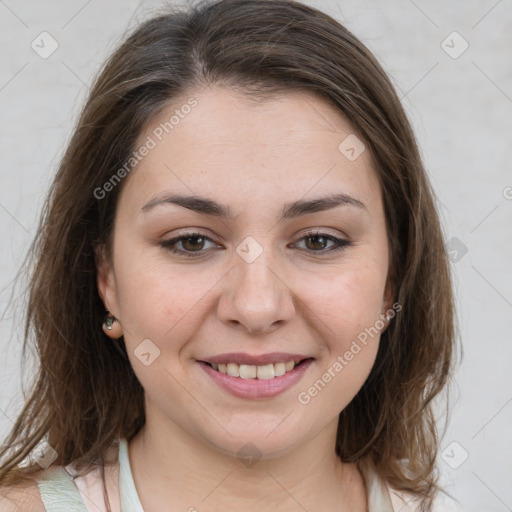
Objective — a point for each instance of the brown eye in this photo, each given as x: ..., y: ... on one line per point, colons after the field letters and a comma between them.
x: 192, y: 244
x: 318, y: 242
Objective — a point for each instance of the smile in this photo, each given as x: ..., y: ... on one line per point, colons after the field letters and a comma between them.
x: 247, y: 371
x: 256, y: 382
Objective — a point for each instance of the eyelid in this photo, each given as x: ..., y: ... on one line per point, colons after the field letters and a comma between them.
x: 324, y: 232
x: 169, y: 243
x: 340, y: 242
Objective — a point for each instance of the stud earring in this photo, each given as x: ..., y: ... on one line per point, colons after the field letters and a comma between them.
x: 111, y: 326
x: 109, y: 320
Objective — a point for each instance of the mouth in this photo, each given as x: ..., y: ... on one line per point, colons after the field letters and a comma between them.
x: 260, y: 372
x: 257, y: 381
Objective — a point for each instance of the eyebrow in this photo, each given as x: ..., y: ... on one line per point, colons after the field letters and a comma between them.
x: 207, y: 206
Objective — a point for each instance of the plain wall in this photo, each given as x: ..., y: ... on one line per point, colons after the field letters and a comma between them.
x: 461, y: 108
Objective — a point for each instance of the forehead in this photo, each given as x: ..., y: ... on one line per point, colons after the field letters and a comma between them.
x: 237, y: 149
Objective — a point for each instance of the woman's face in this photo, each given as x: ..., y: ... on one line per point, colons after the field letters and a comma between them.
x: 265, y: 283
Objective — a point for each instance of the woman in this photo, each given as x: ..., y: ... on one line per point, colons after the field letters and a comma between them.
x: 241, y: 296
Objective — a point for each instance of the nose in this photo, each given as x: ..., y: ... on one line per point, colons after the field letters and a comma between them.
x: 256, y: 297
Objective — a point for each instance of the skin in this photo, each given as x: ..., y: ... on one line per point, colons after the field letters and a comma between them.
x: 253, y: 158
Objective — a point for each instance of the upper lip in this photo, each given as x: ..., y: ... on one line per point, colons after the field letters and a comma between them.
x: 255, y: 360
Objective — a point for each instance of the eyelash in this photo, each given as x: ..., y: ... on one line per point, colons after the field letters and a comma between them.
x: 339, y: 243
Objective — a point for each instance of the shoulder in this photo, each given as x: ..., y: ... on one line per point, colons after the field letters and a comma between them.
x: 21, y: 498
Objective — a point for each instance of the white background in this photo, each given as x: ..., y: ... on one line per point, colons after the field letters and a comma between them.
x: 461, y: 109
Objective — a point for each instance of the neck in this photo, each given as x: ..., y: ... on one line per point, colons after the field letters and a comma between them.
x: 176, y: 468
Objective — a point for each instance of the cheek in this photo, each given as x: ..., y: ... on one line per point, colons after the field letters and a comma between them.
x: 348, y: 300
x: 160, y: 301
x: 345, y: 309
x: 346, y: 312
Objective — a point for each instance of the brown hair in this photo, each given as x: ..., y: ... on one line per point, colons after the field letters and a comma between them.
x: 85, y: 393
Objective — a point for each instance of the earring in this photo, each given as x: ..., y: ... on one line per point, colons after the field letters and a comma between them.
x: 111, y: 326
x: 109, y: 320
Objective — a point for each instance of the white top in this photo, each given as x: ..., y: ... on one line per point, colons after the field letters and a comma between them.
x: 61, y: 493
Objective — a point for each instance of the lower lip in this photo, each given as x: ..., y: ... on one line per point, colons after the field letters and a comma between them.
x: 257, y: 388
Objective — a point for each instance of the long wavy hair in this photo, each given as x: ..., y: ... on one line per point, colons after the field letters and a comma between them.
x: 84, y: 393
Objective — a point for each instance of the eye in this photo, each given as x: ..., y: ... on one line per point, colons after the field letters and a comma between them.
x: 192, y: 244
x: 316, y: 241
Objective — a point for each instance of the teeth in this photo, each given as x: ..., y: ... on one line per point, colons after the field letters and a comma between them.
x: 265, y: 372
x: 248, y: 371
x: 233, y: 370
x: 280, y: 369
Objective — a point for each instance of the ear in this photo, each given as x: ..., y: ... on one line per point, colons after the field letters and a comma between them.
x: 105, y: 280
